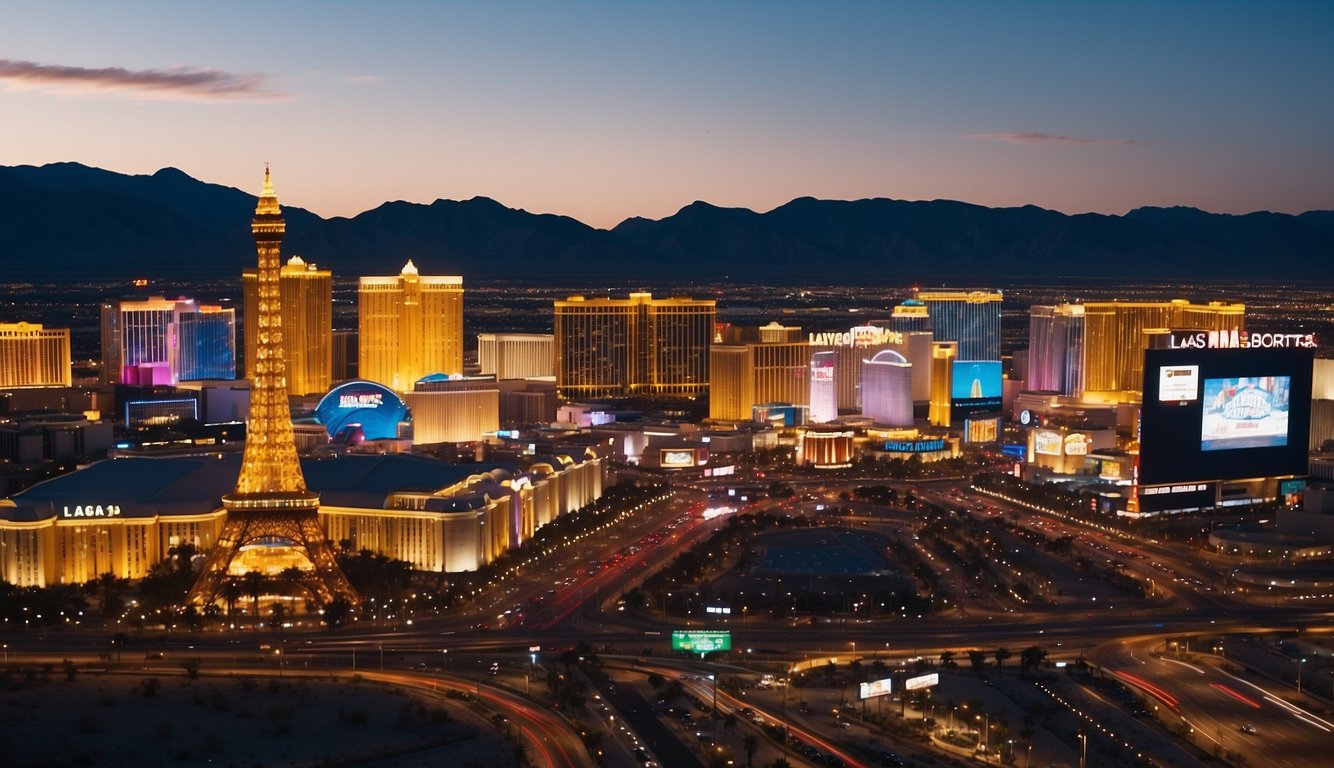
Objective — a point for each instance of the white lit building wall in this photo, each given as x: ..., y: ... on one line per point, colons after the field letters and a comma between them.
x: 824, y: 387
x: 517, y: 355
x: 887, y: 396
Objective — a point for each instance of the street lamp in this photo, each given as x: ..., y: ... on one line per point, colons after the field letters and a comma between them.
x: 1300, y: 662
x: 1083, y: 749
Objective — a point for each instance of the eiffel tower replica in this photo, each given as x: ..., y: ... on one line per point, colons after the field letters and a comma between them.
x: 271, y: 502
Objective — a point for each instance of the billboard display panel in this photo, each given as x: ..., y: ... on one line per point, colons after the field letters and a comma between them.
x: 1245, y: 412
x: 1178, y: 383
x: 976, y: 388
x: 874, y: 688
x: 1252, y: 417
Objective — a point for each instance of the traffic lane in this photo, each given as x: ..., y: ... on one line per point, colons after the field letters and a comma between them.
x: 660, y: 740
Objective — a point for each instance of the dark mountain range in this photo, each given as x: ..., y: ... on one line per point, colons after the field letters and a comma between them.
x: 68, y: 219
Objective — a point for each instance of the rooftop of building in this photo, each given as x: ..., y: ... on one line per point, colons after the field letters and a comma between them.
x: 144, y: 487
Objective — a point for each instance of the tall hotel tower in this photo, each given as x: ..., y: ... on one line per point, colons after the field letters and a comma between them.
x: 635, y: 346
x: 139, y: 340
x: 307, y: 310
x: 410, y: 326
x: 1095, y: 350
x: 206, y: 344
x: 972, y: 318
x: 32, y: 356
x: 271, y: 502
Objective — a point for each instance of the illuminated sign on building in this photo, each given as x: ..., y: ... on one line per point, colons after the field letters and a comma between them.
x: 861, y: 336
x: 915, y: 446
x: 1178, y: 383
x: 368, y: 406
x: 1048, y: 443
x: 91, y: 510
x: 874, y: 688
x: 361, y: 401
x: 1236, y: 339
x: 678, y: 458
x: 1076, y: 444
x: 822, y: 372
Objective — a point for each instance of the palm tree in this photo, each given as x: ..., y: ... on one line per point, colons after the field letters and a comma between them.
x: 1001, y: 654
x: 1031, y: 658
x: 253, y: 582
x: 978, y: 659
x: 947, y: 659
x: 750, y: 744
x: 231, y: 592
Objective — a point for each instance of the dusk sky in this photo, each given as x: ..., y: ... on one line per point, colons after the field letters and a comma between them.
x: 603, y: 111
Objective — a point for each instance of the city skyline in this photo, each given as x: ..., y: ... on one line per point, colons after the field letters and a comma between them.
x: 603, y: 113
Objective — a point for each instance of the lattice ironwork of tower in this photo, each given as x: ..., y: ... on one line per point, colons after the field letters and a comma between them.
x: 271, y: 503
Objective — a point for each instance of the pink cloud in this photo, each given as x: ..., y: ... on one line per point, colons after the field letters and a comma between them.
x: 180, y: 83
x: 1031, y: 137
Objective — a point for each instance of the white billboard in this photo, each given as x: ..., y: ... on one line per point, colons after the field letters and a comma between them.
x: 925, y: 681
x: 874, y: 688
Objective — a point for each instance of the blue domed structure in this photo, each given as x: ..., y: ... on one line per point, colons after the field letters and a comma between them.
x: 365, y: 406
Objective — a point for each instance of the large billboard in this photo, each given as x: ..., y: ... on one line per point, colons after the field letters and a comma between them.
x: 976, y: 387
x: 1220, y: 414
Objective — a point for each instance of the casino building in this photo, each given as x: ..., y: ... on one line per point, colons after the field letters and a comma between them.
x: 121, y: 516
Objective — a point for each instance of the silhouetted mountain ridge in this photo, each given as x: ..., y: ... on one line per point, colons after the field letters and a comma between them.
x: 68, y: 219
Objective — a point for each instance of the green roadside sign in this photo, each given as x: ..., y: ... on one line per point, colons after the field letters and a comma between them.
x: 701, y: 640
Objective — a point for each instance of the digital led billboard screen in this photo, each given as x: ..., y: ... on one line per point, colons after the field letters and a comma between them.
x: 1250, y: 416
x: 1245, y: 412
x: 976, y: 378
x: 976, y: 387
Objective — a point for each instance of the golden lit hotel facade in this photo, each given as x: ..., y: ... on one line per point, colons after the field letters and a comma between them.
x: 33, y: 356
x: 1095, y: 350
x: 122, y: 516
x: 743, y: 376
x: 306, y: 306
x: 410, y: 326
x: 639, y: 345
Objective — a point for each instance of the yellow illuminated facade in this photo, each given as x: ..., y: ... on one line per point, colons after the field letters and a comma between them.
x: 459, y: 527
x: 943, y: 355
x: 306, y: 306
x: 742, y: 376
x: 33, y: 356
x: 454, y: 411
x: 1115, y: 335
x: 271, y: 502
x: 410, y: 326
x: 635, y: 346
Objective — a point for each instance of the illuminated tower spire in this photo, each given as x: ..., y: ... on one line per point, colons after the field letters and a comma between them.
x: 271, y: 503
